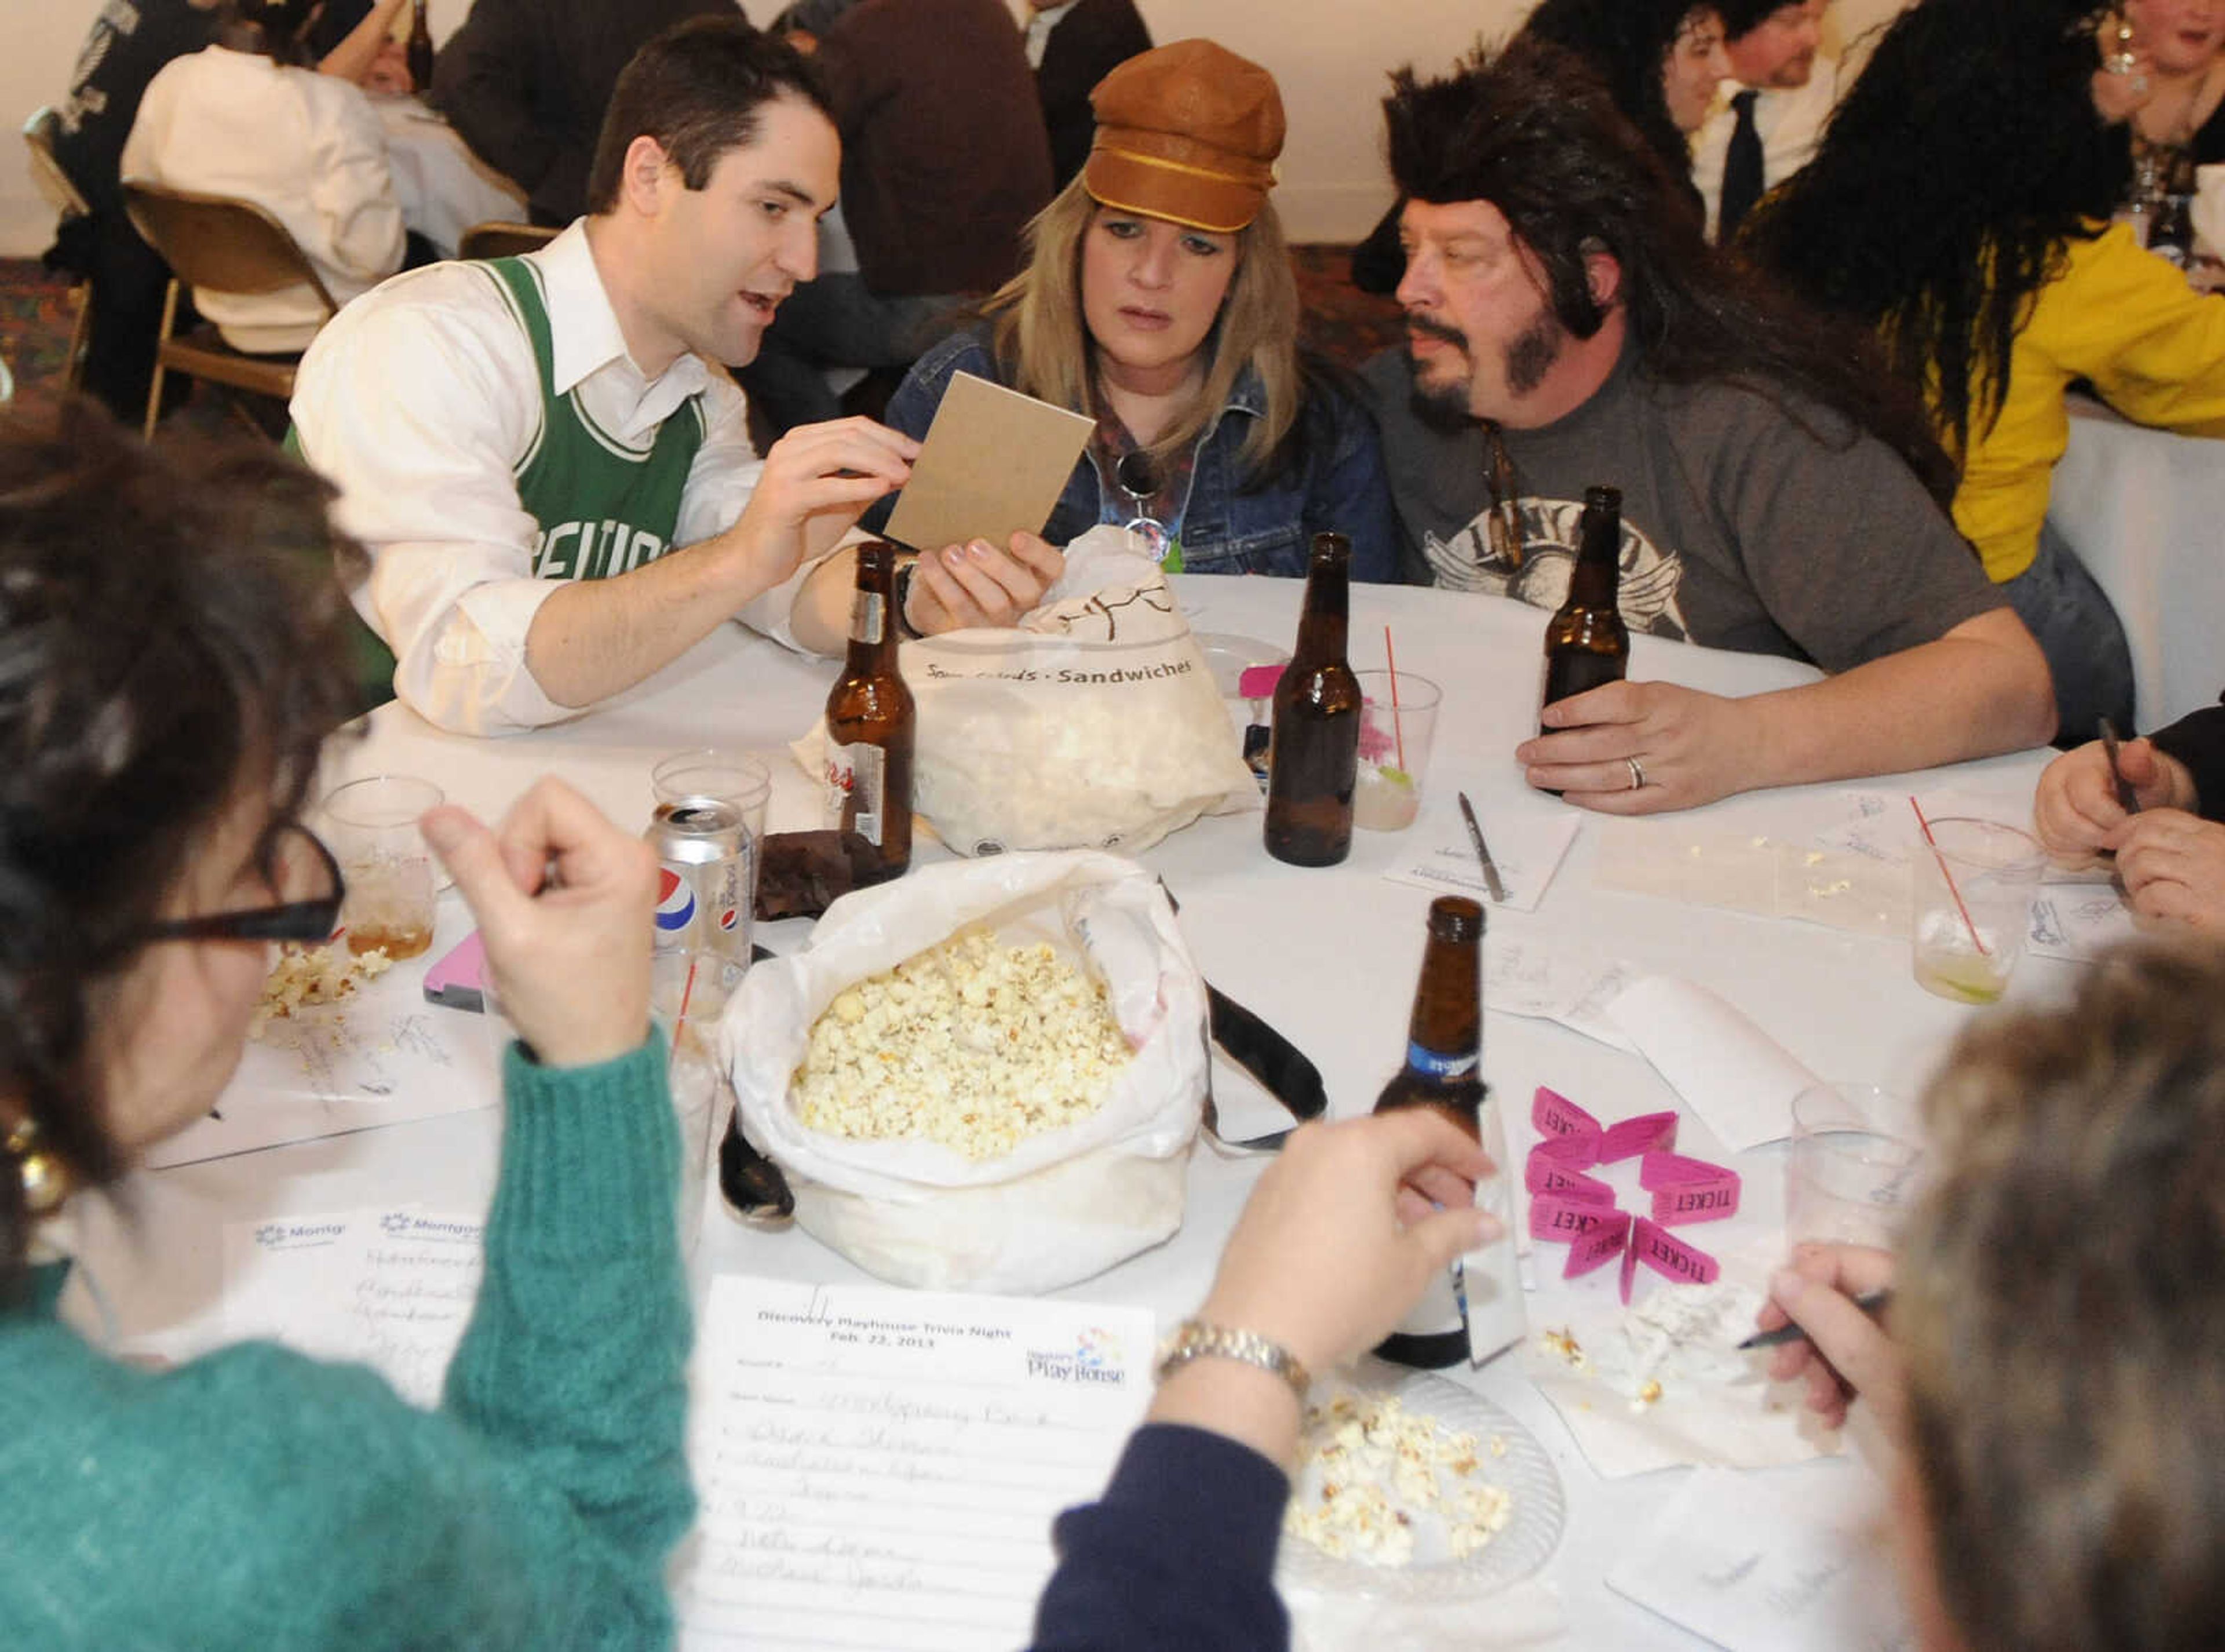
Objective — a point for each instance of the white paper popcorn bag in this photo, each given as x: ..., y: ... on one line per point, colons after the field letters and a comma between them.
x: 1030, y: 1212
x: 1094, y: 724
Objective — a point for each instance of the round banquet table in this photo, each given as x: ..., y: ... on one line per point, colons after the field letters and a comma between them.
x: 1329, y: 956
x: 2140, y: 507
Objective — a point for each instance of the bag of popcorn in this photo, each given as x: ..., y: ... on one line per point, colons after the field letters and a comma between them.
x: 1094, y: 724
x: 984, y: 1076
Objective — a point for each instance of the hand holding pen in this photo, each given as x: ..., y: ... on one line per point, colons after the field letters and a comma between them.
x: 2127, y: 799
x: 1840, y: 1351
x: 2088, y: 798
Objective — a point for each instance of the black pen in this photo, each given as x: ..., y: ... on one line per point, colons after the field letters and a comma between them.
x: 1483, y: 855
x: 1871, y: 1302
x: 2126, y: 799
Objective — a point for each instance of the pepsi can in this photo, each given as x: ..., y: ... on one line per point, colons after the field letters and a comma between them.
x: 706, y: 853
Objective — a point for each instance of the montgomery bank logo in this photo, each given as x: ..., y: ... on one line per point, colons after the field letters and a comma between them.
x: 1094, y: 1359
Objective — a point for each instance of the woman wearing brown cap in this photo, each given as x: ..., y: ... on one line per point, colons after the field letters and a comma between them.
x: 1158, y: 299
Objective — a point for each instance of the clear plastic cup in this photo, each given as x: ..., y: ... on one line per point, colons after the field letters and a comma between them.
x: 1971, y: 905
x: 688, y: 993
x: 1857, y: 1157
x: 372, y: 827
x: 1395, y: 732
x: 731, y: 780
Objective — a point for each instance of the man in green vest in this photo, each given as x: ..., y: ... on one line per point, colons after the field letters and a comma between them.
x: 548, y: 462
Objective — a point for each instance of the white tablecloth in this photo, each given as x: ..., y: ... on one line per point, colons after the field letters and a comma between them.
x: 1329, y: 956
x: 444, y: 187
x: 2145, y: 509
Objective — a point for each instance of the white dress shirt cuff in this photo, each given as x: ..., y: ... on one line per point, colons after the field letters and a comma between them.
x: 769, y: 611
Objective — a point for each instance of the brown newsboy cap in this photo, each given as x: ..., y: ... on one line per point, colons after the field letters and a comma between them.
x: 1189, y: 132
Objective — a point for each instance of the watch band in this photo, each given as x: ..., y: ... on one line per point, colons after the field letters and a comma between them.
x: 902, y: 595
x: 1197, y: 1339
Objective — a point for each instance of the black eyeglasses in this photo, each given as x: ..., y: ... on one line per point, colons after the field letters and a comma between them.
x: 305, y: 921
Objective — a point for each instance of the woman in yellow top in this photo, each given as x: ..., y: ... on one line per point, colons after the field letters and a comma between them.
x: 1960, y: 204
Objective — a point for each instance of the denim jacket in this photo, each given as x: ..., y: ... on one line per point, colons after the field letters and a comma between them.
x: 1224, y: 529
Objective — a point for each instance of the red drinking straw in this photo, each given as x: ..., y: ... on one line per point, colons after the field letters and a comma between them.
x: 1949, y: 876
x: 1398, y: 723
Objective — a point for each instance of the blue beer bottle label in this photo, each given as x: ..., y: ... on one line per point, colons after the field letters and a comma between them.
x: 1436, y: 1065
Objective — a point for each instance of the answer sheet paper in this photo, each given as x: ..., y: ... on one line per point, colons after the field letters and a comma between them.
x: 391, y: 1287
x: 1781, y: 1561
x: 881, y: 1468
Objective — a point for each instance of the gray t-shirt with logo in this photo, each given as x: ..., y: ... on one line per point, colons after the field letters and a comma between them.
x: 1761, y: 523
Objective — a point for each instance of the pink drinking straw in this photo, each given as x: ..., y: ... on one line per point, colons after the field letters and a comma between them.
x: 1398, y: 723
x: 1949, y: 876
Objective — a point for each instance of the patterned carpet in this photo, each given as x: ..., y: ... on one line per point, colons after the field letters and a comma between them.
x: 1340, y: 321
x: 35, y: 327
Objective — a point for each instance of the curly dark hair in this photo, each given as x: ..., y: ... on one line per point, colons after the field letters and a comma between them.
x: 169, y: 635
x: 1948, y: 190
x: 1528, y: 132
x: 1627, y: 42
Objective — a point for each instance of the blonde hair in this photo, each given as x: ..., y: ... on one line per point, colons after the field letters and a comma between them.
x: 1040, y: 339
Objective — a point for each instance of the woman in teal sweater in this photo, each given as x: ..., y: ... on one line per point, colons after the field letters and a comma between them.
x: 167, y: 675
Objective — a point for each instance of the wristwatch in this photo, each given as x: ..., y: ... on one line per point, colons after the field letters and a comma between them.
x: 1197, y: 1339
x: 904, y: 627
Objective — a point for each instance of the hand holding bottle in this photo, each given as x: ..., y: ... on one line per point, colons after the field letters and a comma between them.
x: 1344, y: 1232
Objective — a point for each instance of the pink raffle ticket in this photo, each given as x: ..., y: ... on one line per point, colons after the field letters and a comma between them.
x: 1567, y: 1207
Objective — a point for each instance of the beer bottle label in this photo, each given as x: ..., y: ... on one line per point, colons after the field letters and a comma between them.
x: 1436, y: 1065
x: 868, y: 615
x: 1440, y: 1310
x: 857, y: 790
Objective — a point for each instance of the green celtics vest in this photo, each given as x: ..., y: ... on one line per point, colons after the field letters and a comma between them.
x: 603, y: 509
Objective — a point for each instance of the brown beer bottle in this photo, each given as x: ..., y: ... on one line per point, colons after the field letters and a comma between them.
x: 1443, y: 1070
x: 419, y: 52
x: 869, y: 725
x: 1585, y: 642
x: 1314, y: 754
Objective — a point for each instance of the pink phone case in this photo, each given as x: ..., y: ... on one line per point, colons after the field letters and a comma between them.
x: 455, y: 979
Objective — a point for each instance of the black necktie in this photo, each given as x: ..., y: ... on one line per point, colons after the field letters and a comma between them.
x: 1741, y: 169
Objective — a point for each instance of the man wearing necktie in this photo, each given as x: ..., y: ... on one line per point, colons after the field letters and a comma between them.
x: 1767, y: 126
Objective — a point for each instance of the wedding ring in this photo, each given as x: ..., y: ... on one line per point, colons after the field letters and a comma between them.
x: 1637, y: 775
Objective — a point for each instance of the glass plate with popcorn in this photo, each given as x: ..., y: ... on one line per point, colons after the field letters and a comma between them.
x: 1410, y: 1485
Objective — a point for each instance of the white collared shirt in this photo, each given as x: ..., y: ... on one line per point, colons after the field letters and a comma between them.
x: 1790, y: 124
x: 305, y: 146
x: 421, y: 399
x: 1039, y: 26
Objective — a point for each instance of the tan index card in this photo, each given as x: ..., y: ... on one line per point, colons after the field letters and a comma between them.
x: 994, y: 465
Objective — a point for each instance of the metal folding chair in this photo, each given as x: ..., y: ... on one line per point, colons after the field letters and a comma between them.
x: 56, y: 187
x: 495, y: 239
x: 225, y: 245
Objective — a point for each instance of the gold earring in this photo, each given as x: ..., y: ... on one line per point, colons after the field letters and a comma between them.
x: 44, y: 1178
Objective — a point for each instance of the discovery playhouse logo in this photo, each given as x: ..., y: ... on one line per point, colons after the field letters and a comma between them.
x: 1095, y: 1360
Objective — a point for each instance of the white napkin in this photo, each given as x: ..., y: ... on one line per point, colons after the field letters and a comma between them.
x: 1527, y: 848
x: 1737, y: 1078
x: 1777, y: 1562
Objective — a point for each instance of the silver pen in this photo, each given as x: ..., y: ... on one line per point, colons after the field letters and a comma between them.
x: 1475, y: 836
